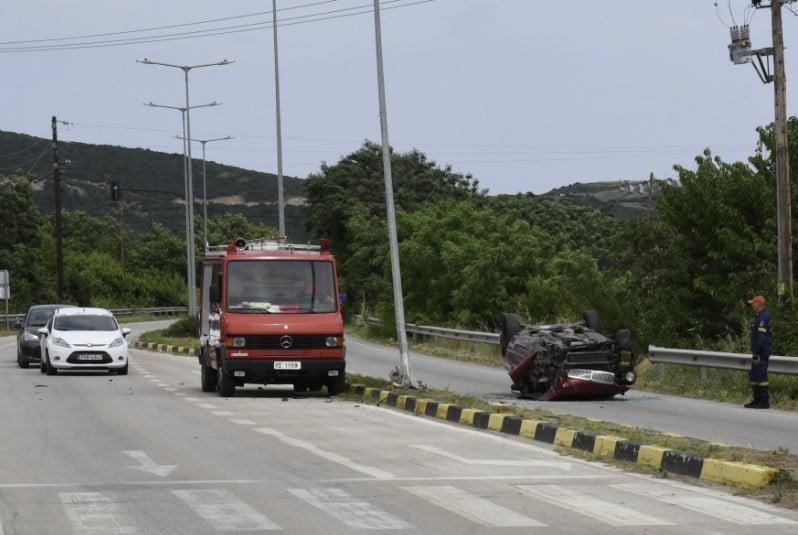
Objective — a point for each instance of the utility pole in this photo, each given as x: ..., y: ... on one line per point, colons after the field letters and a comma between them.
x: 650, y: 195
x: 59, y: 224
x: 205, y: 184
x: 741, y: 52
x: 280, y: 197
x: 396, y: 273
x: 192, y: 302
x: 782, y: 154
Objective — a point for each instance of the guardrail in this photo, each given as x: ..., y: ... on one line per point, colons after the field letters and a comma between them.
x: 13, y: 318
x: 719, y: 359
x: 442, y: 332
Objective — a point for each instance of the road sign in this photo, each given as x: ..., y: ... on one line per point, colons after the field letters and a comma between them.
x: 5, y: 290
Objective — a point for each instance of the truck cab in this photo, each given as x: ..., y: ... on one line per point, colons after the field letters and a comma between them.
x: 270, y: 314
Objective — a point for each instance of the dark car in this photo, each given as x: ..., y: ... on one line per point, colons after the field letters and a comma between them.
x: 28, y: 351
x: 567, y: 360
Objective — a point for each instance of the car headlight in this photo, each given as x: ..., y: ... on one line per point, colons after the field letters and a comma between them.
x: 60, y: 342
x: 331, y: 341
x: 30, y: 337
x: 239, y: 341
x: 117, y: 342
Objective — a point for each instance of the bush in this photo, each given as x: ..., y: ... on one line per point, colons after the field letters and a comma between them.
x: 186, y: 327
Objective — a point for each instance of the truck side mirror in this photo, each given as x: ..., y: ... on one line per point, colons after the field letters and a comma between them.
x: 213, y: 294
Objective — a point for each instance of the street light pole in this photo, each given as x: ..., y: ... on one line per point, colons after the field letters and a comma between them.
x: 398, y: 299
x: 190, y: 270
x: 204, y: 183
x: 280, y: 197
x: 192, y: 308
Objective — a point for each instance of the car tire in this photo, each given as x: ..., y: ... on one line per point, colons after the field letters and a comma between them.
x: 336, y: 385
x: 592, y: 320
x: 122, y: 371
x: 225, y: 384
x: 623, y: 339
x: 511, y: 325
x: 21, y: 361
x: 41, y: 366
x: 48, y: 368
x: 301, y: 387
x: 208, y: 378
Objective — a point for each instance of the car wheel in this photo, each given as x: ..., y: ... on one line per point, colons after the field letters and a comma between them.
x: 301, y: 387
x: 511, y: 325
x: 48, y: 368
x: 208, y: 378
x: 41, y: 366
x: 592, y: 320
x: 225, y: 383
x: 336, y: 385
x: 623, y: 339
x: 122, y: 371
x: 21, y: 361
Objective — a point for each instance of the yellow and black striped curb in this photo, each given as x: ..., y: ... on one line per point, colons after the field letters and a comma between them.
x: 606, y: 446
x: 177, y: 350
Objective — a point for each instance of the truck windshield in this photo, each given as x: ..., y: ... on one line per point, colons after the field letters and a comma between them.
x: 281, y: 287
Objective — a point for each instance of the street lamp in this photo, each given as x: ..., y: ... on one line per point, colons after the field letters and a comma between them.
x: 205, y: 184
x: 190, y: 269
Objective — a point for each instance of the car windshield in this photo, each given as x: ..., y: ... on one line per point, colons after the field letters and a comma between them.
x: 85, y: 323
x: 40, y: 316
x: 281, y: 286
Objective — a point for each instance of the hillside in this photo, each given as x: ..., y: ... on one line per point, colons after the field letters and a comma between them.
x: 89, y: 168
x: 624, y: 199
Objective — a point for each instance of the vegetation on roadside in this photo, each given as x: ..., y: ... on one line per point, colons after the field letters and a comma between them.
x: 783, y: 490
x: 182, y: 332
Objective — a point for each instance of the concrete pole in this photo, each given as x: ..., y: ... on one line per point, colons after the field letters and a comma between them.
x: 189, y: 251
x: 280, y: 197
x: 396, y: 274
x: 192, y: 285
x: 204, y: 200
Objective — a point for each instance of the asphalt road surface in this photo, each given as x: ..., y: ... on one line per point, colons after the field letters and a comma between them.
x: 709, y: 420
x: 90, y: 453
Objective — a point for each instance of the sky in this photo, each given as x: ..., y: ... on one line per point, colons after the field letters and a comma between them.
x: 526, y: 95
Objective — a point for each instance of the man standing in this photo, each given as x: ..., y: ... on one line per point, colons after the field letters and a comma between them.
x: 760, y: 348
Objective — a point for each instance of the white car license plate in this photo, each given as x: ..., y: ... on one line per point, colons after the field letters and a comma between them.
x: 90, y: 357
x: 287, y: 365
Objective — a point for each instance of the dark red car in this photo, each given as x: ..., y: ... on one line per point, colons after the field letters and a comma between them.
x: 573, y: 360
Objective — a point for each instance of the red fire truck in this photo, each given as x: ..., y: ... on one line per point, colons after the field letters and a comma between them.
x: 270, y: 314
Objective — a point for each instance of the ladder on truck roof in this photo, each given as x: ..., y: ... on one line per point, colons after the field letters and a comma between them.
x: 264, y: 244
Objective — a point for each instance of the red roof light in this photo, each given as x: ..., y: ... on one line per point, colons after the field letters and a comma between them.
x: 324, y: 244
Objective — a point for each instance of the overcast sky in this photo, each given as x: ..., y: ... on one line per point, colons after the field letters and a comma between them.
x: 525, y: 94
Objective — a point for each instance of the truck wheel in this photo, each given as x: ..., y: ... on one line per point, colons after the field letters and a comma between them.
x: 225, y: 383
x: 592, y: 320
x: 300, y: 388
x: 336, y: 385
x: 511, y: 325
x: 208, y: 378
x: 623, y: 338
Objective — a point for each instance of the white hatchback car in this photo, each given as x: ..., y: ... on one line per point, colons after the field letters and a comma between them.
x: 83, y: 338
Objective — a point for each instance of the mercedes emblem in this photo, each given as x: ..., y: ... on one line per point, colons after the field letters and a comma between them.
x: 286, y: 342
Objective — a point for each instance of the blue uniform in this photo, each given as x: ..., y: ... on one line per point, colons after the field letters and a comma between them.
x: 760, y: 349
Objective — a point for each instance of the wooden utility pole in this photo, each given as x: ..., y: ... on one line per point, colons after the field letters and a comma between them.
x: 784, y: 211
x: 59, y: 227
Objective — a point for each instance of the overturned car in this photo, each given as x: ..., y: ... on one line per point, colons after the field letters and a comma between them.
x: 560, y: 361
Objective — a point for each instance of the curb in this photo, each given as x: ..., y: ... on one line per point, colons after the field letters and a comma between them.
x: 163, y: 348
x: 604, y: 446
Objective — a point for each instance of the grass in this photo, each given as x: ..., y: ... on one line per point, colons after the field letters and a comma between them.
x: 158, y: 337
x: 720, y: 385
x: 135, y: 318
x: 782, y: 490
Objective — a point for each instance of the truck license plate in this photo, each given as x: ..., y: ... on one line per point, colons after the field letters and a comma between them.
x: 287, y: 365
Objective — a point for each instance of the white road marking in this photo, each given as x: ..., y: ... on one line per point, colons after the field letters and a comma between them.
x: 191, y: 399
x: 169, y: 389
x: 224, y: 511
x: 476, y: 509
x: 468, y: 478
x: 330, y: 456
x: 584, y: 504
x: 91, y: 512
x: 222, y: 413
x: 1, y: 528
x: 180, y: 394
x: 206, y: 405
x: 493, y: 462
x: 241, y: 421
x: 148, y: 465
x: 353, y: 512
x: 715, y: 507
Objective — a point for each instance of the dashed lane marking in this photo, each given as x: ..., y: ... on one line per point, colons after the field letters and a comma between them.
x: 222, y: 413
x: 494, y: 462
x: 191, y: 399
x: 224, y: 511
x: 584, y: 504
x: 328, y: 455
x: 206, y: 405
x: 355, y: 513
x: 476, y: 509
x: 241, y: 421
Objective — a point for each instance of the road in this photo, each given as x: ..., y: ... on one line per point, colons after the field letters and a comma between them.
x: 149, y: 453
x: 708, y: 420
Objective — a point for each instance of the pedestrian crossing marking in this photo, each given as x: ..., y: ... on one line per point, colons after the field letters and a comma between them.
x: 224, y: 511
x: 353, y: 512
x: 92, y: 512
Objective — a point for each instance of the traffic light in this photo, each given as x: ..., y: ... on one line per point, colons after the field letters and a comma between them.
x: 115, y: 191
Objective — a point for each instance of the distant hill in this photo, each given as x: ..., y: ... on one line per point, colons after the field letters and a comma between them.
x: 624, y: 199
x: 89, y: 168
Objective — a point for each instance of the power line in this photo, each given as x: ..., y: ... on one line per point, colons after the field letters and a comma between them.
x: 211, y: 32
